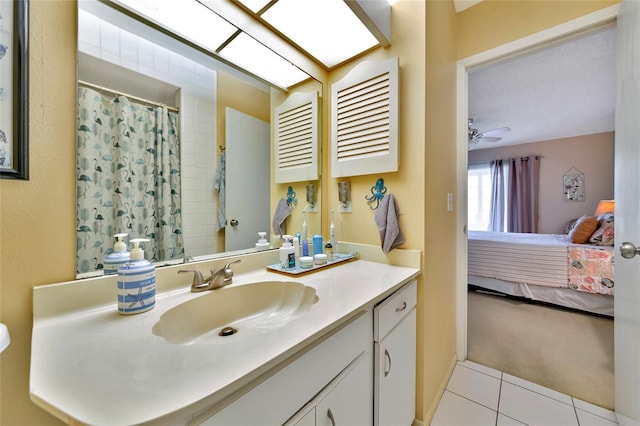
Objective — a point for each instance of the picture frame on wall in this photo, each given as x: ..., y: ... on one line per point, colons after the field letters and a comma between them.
x: 14, y: 93
x: 573, y: 185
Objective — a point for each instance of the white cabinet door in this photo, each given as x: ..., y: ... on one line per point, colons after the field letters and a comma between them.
x: 395, y: 375
x: 308, y: 419
x: 349, y: 402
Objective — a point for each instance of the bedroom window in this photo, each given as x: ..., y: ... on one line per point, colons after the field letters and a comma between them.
x: 479, y: 197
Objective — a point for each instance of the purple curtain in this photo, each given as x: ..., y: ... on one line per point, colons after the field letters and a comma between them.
x: 522, y: 194
x: 496, y: 210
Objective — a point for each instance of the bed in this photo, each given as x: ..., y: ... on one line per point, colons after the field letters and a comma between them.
x: 543, y: 267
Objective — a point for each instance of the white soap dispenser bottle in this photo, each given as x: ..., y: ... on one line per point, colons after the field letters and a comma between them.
x: 136, y: 282
x: 287, y: 253
x: 262, y: 243
x: 119, y: 257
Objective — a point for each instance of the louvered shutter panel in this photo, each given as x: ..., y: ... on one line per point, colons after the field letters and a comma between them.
x: 364, y: 120
x: 297, y: 134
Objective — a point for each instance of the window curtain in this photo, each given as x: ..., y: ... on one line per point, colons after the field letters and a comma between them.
x: 128, y: 178
x: 497, y: 206
x: 522, y: 194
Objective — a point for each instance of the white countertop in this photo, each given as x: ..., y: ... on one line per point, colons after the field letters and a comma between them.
x: 95, y: 366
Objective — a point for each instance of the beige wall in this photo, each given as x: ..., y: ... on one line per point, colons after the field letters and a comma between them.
x: 591, y: 154
x: 439, y: 299
x: 37, y: 216
x: 493, y: 23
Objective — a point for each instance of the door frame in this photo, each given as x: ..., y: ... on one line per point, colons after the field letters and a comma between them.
x: 533, y: 41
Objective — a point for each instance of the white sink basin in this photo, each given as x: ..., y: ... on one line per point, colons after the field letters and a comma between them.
x: 231, y: 313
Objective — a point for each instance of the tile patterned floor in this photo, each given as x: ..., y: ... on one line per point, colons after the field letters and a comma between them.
x: 477, y: 396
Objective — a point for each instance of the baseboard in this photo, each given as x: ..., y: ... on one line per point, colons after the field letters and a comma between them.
x: 434, y: 404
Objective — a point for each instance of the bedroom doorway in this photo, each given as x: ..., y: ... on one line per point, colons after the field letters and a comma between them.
x: 598, y: 18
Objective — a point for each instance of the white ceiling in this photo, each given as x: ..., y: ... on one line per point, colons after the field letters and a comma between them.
x: 564, y: 90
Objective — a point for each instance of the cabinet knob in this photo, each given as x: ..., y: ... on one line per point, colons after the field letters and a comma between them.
x: 402, y: 308
x: 330, y: 415
x: 387, y: 356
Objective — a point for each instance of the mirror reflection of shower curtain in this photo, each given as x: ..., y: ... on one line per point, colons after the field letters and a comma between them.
x: 128, y: 178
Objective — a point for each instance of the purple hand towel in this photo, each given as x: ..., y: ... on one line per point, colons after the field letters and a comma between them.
x: 386, y: 219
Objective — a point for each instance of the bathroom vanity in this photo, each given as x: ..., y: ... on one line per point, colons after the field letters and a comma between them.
x: 90, y: 365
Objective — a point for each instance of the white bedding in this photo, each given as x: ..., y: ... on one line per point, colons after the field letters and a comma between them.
x: 539, y: 259
x: 540, y: 267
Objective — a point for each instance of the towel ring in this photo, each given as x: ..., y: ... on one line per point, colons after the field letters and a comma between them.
x: 377, y: 194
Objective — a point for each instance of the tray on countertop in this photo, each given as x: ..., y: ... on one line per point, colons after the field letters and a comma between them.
x: 338, y: 258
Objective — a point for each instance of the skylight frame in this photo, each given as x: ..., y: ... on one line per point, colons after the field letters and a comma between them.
x: 189, y: 19
x: 252, y: 55
x: 343, y: 34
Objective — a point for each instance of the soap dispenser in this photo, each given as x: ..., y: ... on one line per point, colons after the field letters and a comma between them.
x: 119, y: 257
x: 262, y: 243
x: 287, y: 253
x: 136, y: 282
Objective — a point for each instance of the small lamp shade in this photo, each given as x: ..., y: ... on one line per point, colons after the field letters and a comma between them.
x: 605, y: 206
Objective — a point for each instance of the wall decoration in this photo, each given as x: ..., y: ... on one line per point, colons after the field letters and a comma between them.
x: 14, y: 94
x: 573, y: 185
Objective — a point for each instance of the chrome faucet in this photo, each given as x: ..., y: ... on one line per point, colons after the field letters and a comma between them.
x: 218, y: 278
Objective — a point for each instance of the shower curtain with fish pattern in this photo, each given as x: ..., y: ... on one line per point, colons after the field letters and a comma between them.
x: 128, y: 178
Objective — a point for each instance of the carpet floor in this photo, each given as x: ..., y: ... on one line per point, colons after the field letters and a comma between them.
x: 564, y: 350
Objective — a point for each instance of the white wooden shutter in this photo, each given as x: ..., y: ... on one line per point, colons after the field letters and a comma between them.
x: 364, y: 120
x: 297, y: 132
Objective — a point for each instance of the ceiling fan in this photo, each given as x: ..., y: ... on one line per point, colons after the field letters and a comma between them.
x: 488, y: 136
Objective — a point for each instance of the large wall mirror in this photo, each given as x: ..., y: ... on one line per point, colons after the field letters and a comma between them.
x: 173, y: 145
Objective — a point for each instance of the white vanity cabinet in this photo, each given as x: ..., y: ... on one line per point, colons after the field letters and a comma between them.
x: 328, y: 375
x: 346, y: 401
x: 395, y: 358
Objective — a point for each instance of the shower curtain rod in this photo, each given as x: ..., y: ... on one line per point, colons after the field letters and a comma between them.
x: 116, y: 92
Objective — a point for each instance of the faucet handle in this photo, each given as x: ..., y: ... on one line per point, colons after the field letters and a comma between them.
x: 228, y: 265
x: 197, y: 276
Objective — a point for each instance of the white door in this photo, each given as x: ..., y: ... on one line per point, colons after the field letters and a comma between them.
x: 247, y: 179
x: 627, y: 210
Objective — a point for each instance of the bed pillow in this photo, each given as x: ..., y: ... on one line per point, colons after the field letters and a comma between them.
x: 569, y: 226
x: 603, y: 236
x: 583, y: 229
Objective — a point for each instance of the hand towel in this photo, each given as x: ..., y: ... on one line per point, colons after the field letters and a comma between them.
x: 220, y: 186
x: 386, y: 218
x: 282, y: 212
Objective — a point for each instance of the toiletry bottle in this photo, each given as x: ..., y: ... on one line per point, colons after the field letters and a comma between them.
x: 305, y: 247
x: 332, y: 234
x: 136, y: 282
x: 317, y: 244
x: 287, y: 253
x: 119, y: 257
x: 297, y: 249
x: 303, y: 236
x: 328, y: 250
x: 262, y: 243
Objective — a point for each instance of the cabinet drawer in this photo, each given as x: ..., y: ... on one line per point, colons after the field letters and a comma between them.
x: 391, y: 310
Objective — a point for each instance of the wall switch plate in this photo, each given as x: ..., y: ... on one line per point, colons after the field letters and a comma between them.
x: 449, y: 201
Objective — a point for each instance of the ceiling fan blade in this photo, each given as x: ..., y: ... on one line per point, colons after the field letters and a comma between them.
x: 496, y: 131
x: 490, y: 139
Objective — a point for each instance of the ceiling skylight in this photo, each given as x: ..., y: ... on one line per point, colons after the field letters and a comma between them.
x: 327, y: 29
x: 187, y: 18
x: 247, y: 53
